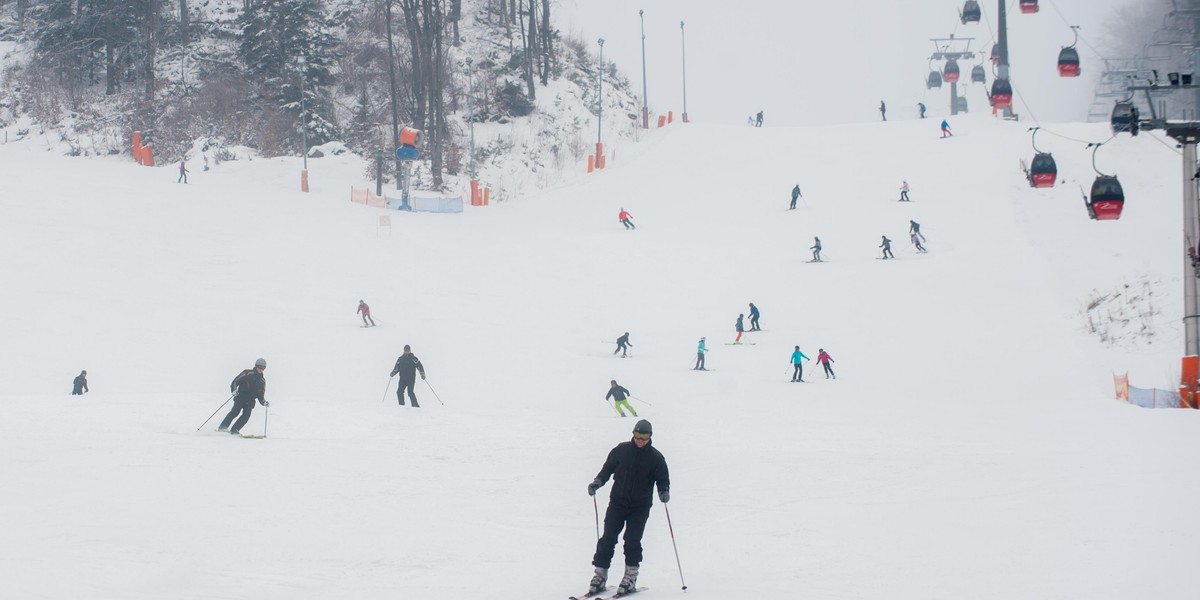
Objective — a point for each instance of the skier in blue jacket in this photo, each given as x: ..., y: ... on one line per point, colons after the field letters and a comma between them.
x: 798, y: 374
x: 700, y: 350
x: 754, y: 318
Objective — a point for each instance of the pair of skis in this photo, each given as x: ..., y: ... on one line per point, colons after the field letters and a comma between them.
x: 599, y: 596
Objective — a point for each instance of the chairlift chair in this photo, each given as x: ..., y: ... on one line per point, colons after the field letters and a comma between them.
x: 934, y: 81
x: 1029, y: 7
x: 960, y: 104
x: 978, y: 74
x: 1107, y: 200
x: 950, y: 71
x: 970, y: 12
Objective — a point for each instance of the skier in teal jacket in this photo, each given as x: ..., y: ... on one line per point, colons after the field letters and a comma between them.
x: 797, y: 357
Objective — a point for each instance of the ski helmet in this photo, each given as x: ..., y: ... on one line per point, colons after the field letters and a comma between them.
x: 643, y: 426
x: 262, y: 362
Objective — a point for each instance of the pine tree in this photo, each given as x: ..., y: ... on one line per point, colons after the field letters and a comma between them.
x: 289, y: 48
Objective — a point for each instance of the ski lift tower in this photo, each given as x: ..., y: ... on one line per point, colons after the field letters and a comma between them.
x: 1187, y: 133
x: 951, y: 50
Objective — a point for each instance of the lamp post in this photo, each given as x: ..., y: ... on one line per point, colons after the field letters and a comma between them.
x: 471, y: 112
x: 600, y: 94
x: 645, y: 105
x: 683, y: 45
x: 303, y: 127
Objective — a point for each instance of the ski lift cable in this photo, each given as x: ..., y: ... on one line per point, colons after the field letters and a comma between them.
x: 1068, y: 24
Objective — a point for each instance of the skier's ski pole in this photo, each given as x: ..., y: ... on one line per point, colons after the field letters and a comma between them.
x: 672, y: 530
x: 385, y: 390
x: 434, y: 392
x: 640, y: 400
x: 596, y: 507
x: 215, y: 412
x: 266, y: 417
x: 614, y: 407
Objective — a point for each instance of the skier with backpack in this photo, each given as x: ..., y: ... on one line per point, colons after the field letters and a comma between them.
x: 636, y: 467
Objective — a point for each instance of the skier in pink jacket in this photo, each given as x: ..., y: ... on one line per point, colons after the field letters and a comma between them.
x: 824, y: 359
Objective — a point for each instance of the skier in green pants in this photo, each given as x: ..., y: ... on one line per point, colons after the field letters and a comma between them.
x: 618, y: 394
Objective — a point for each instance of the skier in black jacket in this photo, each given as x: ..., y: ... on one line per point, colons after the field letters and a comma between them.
x: 623, y: 345
x: 407, y: 366
x: 79, y: 384
x: 248, y: 386
x: 636, y: 467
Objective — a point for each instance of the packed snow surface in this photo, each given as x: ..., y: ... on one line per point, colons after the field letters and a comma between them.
x: 969, y: 448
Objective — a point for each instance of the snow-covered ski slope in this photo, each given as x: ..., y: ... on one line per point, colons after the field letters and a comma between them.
x: 970, y: 447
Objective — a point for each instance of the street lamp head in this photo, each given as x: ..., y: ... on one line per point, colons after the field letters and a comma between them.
x: 601, y: 42
x: 641, y: 12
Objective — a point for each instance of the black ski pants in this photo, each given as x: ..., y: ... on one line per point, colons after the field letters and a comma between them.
x: 699, y: 360
x: 754, y: 324
x: 630, y: 518
x: 828, y: 370
x: 798, y: 374
x: 240, y: 405
x: 407, y: 384
x: 628, y: 224
x: 622, y: 348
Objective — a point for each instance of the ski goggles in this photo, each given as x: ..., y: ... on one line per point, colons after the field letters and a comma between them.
x: 641, y: 436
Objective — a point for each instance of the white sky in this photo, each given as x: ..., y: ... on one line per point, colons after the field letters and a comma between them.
x: 832, y: 62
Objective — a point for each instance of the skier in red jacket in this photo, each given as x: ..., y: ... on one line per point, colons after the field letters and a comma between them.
x: 366, y: 313
x: 626, y: 219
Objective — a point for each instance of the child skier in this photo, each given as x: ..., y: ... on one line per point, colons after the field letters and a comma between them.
x: 904, y: 191
x: 816, y: 249
x: 740, y: 329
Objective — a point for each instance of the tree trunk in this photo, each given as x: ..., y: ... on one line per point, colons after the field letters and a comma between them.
x: 531, y: 49
x: 183, y: 21
x: 151, y: 45
x: 110, y: 55
x: 391, y: 77
x: 547, y: 42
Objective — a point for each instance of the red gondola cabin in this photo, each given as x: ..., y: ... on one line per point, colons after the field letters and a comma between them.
x: 1107, y: 199
x: 1068, y: 62
x: 1043, y: 171
x: 1001, y: 93
x: 950, y: 72
x: 1029, y: 7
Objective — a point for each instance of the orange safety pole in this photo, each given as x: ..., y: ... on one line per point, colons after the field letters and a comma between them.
x: 670, y: 115
x: 304, y: 180
x: 476, y: 199
x: 600, y: 162
x: 591, y: 163
x: 486, y: 191
x: 148, y: 155
x: 662, y: 120
x: 599, y: 152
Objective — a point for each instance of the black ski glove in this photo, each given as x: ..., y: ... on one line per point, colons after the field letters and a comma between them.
x: 664, y: 496
x: 593, y: 486
x: 393, y: 374
x: 264, y: 403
